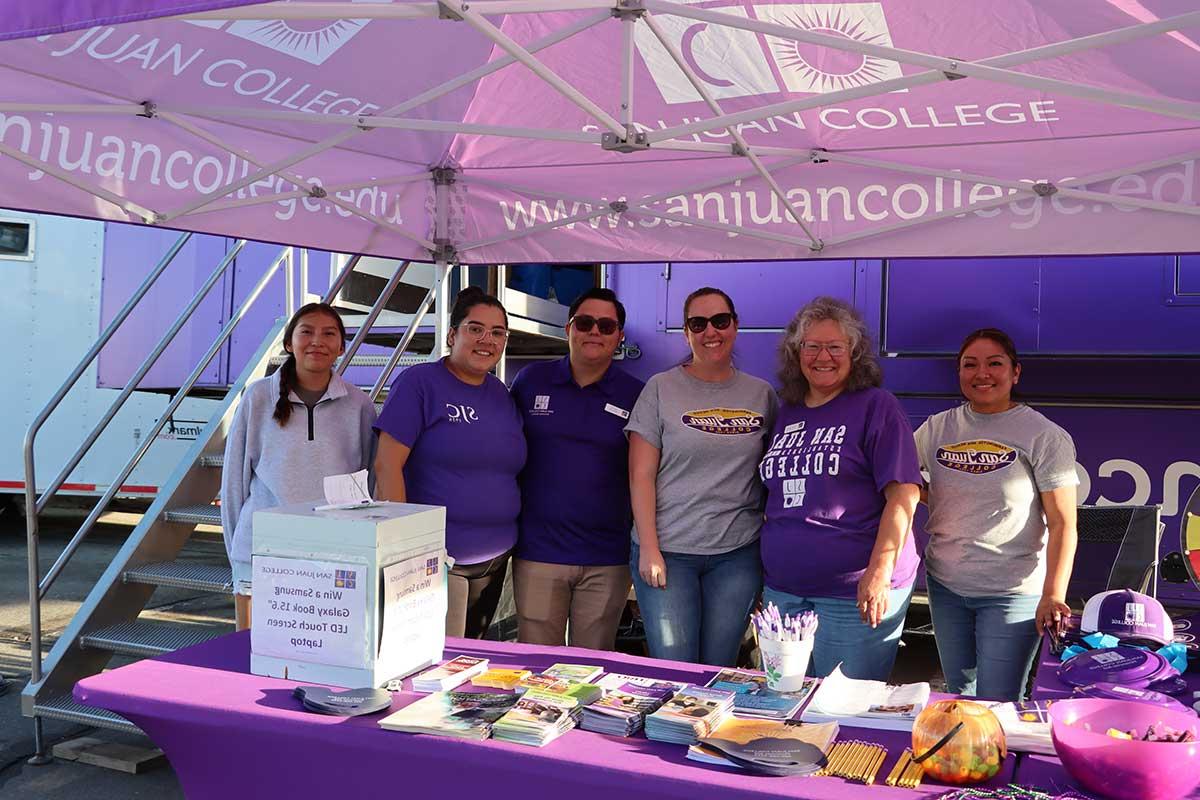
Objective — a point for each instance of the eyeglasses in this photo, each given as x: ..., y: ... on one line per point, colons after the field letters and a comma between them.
x: 479, y: 331
x: 719, y: 321
x: 813, y: 349
x: 585, y: 322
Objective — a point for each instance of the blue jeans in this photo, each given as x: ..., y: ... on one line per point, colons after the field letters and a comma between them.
x: 986, y: 644
x: 843, y: 638
x: 702, y: 614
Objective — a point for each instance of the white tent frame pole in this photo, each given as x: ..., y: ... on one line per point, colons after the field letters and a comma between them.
x: 627, y: 23
x: 505, y: 42
x: 1144, y: 166
x: 1020, y: 186
x: 1083, y: 43
x: 358, y: 212
x: 718, y: 182
x: 124, y: 204
x: 424, y: 97
x: 301, y: 193
x: 715, y: 107
x: 940, y: 63
x: 531, y: 192
x: 441, y: 325
x: 369, y: 122
x: 120, y: 109
x: 343, y: 10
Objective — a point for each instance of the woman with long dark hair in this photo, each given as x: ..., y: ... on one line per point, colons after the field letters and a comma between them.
x: 1001, y: 524
x: 291, y: 430
x: 450, y: 435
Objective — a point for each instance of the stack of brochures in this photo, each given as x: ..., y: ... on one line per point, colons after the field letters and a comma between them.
x: 537, y: 719
x: 770, y: 747
x: 584, y: 673
x: 694, y: 712
x: 454, y: 672
x: 501, y: 678
x: 465, y: 715
x: 866, y: 704
x: 626, y: 702
x: 348, y: 703
x: 584, y: 693
x: 754, y: 700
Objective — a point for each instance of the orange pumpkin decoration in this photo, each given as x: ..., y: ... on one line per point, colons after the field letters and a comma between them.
x: 962, y: 742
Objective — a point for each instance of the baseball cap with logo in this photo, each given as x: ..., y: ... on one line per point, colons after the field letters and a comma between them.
x: 1127, y: 615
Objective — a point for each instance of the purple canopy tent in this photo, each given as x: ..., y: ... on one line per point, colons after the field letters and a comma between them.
x: 596, y: 130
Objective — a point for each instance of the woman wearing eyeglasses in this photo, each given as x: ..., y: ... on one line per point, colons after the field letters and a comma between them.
x: 571, y: 564
x: 449, y: 435
x: 842, y: 485
x: 1001, y: 524
x: 695, y: 436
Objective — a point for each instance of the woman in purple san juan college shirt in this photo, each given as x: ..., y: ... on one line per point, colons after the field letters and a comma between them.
x: 842, y: 484
x: 450, y: 435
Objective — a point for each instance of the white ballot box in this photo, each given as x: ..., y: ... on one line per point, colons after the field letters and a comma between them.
x: 348, y: 597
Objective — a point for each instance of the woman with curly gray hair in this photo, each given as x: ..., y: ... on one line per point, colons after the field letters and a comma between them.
x: 842, y: 482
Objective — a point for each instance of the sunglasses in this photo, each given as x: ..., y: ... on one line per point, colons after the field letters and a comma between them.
x: 584, y: 324
x: 719, y: 321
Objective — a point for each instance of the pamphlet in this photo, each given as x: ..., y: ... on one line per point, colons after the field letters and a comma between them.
x: 584, y: 673
x: 693, y: 712
x: 346, y: 492
x: 454, y: 672
x: 866, y: 704
x: 537, y: 719
x: 753, y: 699
x: 465, y: 715
x: 772, y: 747
x: 623, y: 709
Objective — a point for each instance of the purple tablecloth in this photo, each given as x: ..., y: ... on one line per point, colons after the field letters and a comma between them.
x: 1047, y: 771
x: 230, y: 734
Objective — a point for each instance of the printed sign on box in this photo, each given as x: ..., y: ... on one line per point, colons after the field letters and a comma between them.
x: 309, y: 610
x: 414, y: 606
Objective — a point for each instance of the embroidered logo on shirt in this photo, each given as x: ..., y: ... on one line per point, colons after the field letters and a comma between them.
x: 541, y: 402
x: 976, y: 457
x: 724, y: 421
x: 461, y: 413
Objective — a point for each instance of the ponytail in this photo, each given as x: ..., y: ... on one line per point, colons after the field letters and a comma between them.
x: 287, y: 379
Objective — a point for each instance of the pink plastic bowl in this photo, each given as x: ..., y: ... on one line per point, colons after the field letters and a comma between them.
x: 1119, y: 768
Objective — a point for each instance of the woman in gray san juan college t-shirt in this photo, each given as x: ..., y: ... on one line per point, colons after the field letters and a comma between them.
x: 1001, y: 524
x: 696, y: 436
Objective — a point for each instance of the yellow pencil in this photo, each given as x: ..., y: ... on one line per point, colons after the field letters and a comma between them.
x: 876, y: 763
x: 898, y: 767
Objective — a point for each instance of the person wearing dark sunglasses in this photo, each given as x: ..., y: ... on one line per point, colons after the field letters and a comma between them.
x: 571, y: 565
x: 695, y: 438
x: 842, y: 485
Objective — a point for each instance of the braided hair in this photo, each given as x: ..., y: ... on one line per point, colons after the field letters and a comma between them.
x: 287, y: 372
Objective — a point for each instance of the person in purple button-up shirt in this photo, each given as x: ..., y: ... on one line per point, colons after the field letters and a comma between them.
x: 842, y: 482
x: 572, y: 558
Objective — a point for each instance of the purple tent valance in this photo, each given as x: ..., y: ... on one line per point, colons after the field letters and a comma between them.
x: 580, y: 130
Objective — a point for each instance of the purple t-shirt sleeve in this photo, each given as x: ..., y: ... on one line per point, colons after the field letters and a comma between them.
x: 403, y: 416
x: 889, y: 445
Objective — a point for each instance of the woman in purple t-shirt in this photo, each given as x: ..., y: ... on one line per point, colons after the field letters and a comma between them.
x: 842, y: 483
x: 450, y: 435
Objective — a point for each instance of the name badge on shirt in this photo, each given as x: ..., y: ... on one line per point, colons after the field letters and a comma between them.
x: 620, y: 412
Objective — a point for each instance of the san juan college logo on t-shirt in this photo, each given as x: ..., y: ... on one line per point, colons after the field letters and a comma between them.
x: 724, y: 421
x: 976, y: 457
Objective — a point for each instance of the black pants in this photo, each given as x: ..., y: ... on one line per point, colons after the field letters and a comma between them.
x: 473, y: 595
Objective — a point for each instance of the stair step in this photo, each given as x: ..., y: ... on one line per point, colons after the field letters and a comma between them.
x: 146, y: 638
x: 406, y: 360
x: 199, y: 514
x: 213, y: 460
x: 66, y: 709
x: 198, y: 577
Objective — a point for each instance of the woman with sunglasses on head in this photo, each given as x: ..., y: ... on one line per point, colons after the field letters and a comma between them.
x: 449, y: 435
x: 842, y: 486
x: 571, y: 564
x: 1001, y: 524
x: 290, y: 430
x: 695, y: 436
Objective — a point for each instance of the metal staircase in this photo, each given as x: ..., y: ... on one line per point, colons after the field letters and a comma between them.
x: 107, y: 624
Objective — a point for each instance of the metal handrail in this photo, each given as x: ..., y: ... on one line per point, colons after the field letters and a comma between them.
x: 405, y: 341
x: 365, y: 326
x: 141, y: 372
x: 31, y: 503
x: 163, y: 419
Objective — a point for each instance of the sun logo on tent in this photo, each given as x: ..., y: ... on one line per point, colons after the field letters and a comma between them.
x: 808, y: 68
x: 313, y: 42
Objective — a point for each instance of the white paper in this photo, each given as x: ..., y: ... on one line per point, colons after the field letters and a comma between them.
x: 414, y: 605
x: 309, y: 610
x: 346, y: 491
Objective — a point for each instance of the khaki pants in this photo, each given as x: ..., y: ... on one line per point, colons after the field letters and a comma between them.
x: 548, y: 596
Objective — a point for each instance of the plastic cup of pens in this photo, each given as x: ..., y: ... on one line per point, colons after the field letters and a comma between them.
x: 785, y: 644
